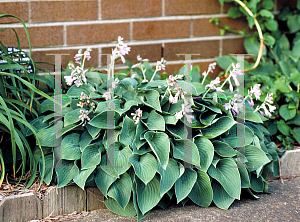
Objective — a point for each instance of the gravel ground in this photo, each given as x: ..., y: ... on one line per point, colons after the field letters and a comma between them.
x: 283, y: 204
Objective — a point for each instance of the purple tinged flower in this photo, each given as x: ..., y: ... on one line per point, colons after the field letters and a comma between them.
x: 139, y: 58
x: 137, y: 115
x: 78, y: 83
x: 251, y: 103
x: 256, y: 91
x: 261, y: 113
x: 135, y: 65
x: 271, y: 108
x: 107, y: 95
x: 227, y: 106
x: 211, y: 67
x: 69, y: 80
x: 219, y: 89
x: 179, y: 115
x: 84, y: 115
x: 269, y: 98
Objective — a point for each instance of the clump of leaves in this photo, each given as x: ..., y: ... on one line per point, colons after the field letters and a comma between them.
x: 279, y: 69
x: 146, y: 141
x: 19, y: 108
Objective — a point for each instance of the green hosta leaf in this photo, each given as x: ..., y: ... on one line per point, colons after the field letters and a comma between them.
x: 75, y: 91
x: 140, y: 216
x: 113, y: 206
x: 239, y: 141
x: 121, y: 156
x: 47, y: 137
x: 139, y: 130
x: 48, y: 105
x: 93, y: 131
x: 152, y: 99
x: 185, y: 183
x: 220, y: 197
x: 49, y: 166
x: 207, y: 117
x: 195, y: 87
x: 148, y: 195
x: 145, y: 166
x: 256, y: 157
x: 219, y: 127
x: 128, y: 131
x: 206, y: 151
x: 257, y: 183
x: 282, y: 86
x: 120, y: 190
x: 253, y: 117
x: 72, y: 117
x: 103, y: 180
x: 296, y: 133
x: 108, y: 167
x: 85, y: 140
x: 70, y: 147
x: 101, y: 121
x: 127, y: 106
x: 202, y: 193
x: 91, y: 156
x: 160, y: 145
x: 170, y: 120
x: 245, y: 180
x: 209, y: 106
x: 81, y: 178
x: 223, y: 149
x: 187, y: 151
x: 227, y: 174
x: 283, y: 127
x: 168, y: 176
x: 287, y: 113
x: 38, y: 124
x: 178, y: 131
x: 155, y: 121
x: 66, y: 170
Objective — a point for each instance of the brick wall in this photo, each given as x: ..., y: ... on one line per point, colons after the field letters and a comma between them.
x: 153, y: 28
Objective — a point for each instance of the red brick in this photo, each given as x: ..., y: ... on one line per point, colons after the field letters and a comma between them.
x: 151, y: 52
x: 39, y: 36
x: 233, y: 46
x: 170, y: 69
x: 161, y: 29
x: 63, y: 10
x: 191, y: 7
x: 81, y: 34
x: 227, y: 6
x: 41, y: 56
x: 207, y: 49
x: 202, y: 27
x: 111, y: 9
x: 19, y: 9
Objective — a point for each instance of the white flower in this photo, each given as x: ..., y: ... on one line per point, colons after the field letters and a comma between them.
x: 137, y: 115
x: 107, y: 95
x: 211, y: 67
x: 255, y: 91
x: 179, y: 115
x: 69, y: 80
x: 269, y: 98
x: 84, y: 115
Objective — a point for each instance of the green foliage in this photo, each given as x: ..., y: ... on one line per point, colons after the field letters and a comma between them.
x: 19, y: 113
x: 279, y: 69
x: 149, y: 157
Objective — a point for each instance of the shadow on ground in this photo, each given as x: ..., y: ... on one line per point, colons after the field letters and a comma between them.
x: 283, y: 204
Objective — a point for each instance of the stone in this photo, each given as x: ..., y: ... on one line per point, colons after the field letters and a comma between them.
x: 290, y: 163
x: 19, y: 208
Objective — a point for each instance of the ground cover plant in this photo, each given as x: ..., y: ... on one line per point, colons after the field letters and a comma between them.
x: 19, y: 106
x: 276, y: 47
x: 150, y: 139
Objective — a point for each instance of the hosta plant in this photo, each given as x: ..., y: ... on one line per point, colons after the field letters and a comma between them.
x: 151, y: 141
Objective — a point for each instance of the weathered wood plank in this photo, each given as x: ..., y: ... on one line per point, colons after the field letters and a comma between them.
x: 95, y: 199
x: 19, y: 208
x: 64, y: 201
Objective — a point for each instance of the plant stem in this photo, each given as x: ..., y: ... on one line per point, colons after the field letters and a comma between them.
x: 261, y: 37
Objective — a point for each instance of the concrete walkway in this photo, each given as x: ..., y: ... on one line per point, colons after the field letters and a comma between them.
x: 283, y: 204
